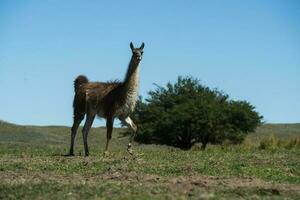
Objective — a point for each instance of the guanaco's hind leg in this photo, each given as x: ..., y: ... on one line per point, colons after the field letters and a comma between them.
x: 76, y: 123
x: 85, y: 131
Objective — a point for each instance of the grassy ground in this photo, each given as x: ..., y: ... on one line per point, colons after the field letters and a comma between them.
x: 32, y: 166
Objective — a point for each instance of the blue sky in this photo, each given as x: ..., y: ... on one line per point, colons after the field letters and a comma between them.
x: 248, y: 49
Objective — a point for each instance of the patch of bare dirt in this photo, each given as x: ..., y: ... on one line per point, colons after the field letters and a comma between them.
x: 37, y: 177
x: 207, y: 185
x: 180, y: 185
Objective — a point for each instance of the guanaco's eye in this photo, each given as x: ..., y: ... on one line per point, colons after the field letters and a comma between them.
x: 142, y: 52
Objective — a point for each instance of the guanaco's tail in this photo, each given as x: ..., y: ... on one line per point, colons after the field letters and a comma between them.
x: 79, y: 81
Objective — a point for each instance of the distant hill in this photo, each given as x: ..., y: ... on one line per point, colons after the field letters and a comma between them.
x: 279, y: 129
x: 40, y: 135
x: 61, y: 134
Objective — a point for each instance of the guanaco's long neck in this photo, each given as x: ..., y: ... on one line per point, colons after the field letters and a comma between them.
x: 131, y: 81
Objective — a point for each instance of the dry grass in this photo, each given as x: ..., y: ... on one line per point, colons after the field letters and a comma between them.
x: 275, y: 142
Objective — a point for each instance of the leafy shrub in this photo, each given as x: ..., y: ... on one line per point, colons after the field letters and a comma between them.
x: 187, y: 112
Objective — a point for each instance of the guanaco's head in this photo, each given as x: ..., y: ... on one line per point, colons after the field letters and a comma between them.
x: 137, y: 53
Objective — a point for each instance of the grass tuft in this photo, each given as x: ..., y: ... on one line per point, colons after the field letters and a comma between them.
x: 275, y: 142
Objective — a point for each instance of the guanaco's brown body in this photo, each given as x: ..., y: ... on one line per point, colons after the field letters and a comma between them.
x: 108, y: 100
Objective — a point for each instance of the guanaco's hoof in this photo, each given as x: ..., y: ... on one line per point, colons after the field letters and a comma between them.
x: 69, y: 155
x: 130, y: 151
x: 105, y: 153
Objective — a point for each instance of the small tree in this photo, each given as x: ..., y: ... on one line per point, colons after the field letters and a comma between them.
x: 187, y: 112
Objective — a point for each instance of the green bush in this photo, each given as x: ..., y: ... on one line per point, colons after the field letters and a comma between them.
x: 187, y: 112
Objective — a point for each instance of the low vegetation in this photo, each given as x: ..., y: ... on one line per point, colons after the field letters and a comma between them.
x: 274, y: 142
x: 32, y: 166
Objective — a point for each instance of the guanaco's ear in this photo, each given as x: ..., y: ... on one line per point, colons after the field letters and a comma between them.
x: 142, y: 46
x: 131, y: 46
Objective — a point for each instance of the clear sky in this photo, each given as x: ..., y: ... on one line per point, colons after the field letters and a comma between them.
x: 248, y: 49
